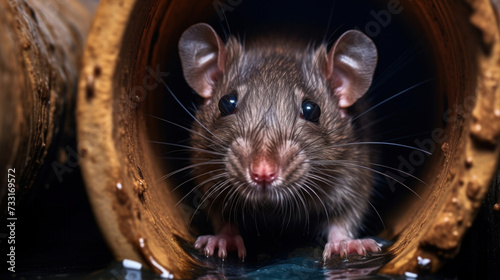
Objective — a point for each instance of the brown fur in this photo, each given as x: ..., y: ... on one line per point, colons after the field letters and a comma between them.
x: 271, y: 79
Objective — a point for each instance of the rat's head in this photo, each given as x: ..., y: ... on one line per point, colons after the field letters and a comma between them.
x: 274, y: 122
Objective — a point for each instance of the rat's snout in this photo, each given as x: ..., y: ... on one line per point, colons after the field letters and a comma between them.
x: 263, y: 170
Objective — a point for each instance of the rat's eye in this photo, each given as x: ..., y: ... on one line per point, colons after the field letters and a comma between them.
x: 227, y: 104
x: 310, y: 111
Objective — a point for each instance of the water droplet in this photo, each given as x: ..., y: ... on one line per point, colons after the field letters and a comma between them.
x: 121, y: 194
x: 146, y: 252
x: 164, y: 272
x: 132, y: 264
x: 424, y: 264
x: 411, y: 275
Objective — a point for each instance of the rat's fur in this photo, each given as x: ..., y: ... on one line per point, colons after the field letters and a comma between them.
x: 323, y: 172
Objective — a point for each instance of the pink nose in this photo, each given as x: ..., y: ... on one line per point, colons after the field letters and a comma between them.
x: 263, y: 170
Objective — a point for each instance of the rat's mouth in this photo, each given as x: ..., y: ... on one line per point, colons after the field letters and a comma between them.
x: 262, y: 194
x: 264, y: 185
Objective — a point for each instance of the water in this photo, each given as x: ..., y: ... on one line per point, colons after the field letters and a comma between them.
x: 301, y: 263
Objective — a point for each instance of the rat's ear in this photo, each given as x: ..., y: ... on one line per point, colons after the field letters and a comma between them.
x: 203, y: 57
x: 350, y: 65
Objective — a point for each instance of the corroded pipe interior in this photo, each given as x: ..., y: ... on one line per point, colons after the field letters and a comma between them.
x: 118, y: 97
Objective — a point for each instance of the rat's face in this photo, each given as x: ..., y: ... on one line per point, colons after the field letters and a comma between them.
x: 274, y: 119
x: 270, y: 122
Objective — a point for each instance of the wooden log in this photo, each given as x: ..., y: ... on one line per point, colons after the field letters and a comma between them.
x: 42, y: 42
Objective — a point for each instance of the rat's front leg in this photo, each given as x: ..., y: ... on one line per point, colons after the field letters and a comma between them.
x: 342, y: 243
x: 227, y: 239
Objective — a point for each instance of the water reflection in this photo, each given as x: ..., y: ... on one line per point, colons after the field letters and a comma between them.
x: 302, y: 263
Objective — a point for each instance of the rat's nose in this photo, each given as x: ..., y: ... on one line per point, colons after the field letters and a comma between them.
x: 263, y: 170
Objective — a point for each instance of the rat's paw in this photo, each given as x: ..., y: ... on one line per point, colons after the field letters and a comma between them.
x: 348, y: 246
x: 224, y: 243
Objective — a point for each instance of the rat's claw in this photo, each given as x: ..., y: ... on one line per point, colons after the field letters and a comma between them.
x: 210, y: 247
x: 207, y: 243
x: 371, y: 245
x: 361, y: 248
x: 347, y: 246
x: 327, y: 252
x: 200, y: 242
x: 223, y: 243
x: 343, y: 249
x: 222, y: 248
x: 240, y: 246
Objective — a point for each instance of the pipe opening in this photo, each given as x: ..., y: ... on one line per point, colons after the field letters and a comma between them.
x: 403, y: 106
x: 421, y: 101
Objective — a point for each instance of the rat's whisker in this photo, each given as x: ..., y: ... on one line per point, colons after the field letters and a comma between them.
x: 198, y: 176
x: 378, y: 214
x: 378, y: 172
x: 327, y: 162
x: 408, y: 55
x: 382, y: 143
x: 198, y: 186
x: 216, y: 187
x: 191, y: 166
x: 319, y: 199
x: 390, y: 98
x: 187, y: 111
x: 189, y: 148
x: 192, y: 158
x: 192, y: 131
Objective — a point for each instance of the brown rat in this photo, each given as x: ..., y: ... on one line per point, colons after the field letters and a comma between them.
x: 274, y: 133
